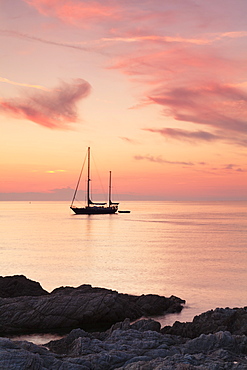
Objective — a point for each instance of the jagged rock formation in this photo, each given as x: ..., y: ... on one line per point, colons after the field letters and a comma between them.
x: 215, y: 340
x: 83, y: 307
x: 232, y: 320
x: 19, y: 285
x: 126, y: 347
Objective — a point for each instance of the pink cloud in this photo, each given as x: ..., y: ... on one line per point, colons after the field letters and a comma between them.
x: 140, y: 14
x: 54, y: 109
x: 72, y: 11
x: 24, y: 36
x: 159, y: 159
x: 216, y: 105
x: 188, y: 57
x: 6, y: 80
x: 128, y: 140
x: 186, y: 81
x: 185, y: 135
x: 195, y: 166
x: 122, y: 17
x: 178, y: 63
x: 233, y: 167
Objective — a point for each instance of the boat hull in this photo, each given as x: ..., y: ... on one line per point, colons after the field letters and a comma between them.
x: 94, y: 210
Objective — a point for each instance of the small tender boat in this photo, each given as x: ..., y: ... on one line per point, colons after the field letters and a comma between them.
x: 123, y: 211
x: 93, y: 208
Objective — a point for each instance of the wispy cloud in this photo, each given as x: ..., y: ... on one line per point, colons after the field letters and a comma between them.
x: 25, y: 36
x: 196, y: 166
x: 39, y: 87
x: 220, y: 107
x: 55, y: 171
x: 233, y: 167
x: 72, y: 11
x: 128, y: 140
x: 178, y: 52
x: 179, y: 134
x: 156, y: 39
x: 159, y: 159
x: 232, y: 35
x: 54, y: 109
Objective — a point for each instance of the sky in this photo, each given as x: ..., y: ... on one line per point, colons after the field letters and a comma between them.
x: 157, y: 90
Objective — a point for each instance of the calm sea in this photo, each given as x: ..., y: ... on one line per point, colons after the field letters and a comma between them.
x: 194, y: 250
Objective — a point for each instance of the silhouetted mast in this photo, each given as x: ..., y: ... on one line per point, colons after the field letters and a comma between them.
x: 88, y: 177
x: 110, y: 190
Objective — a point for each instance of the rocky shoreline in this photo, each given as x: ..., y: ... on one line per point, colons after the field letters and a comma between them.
x: 216, y: 339
x: 25, y: 307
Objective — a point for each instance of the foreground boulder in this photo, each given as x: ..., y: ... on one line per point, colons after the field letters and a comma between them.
x: 128, y: 347
x: 221, y: 319
x: 83, y: 307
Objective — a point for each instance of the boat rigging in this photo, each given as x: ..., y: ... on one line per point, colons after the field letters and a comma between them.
x: 91, y: 207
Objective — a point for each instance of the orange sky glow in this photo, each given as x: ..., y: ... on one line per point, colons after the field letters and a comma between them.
x: 158, y: 90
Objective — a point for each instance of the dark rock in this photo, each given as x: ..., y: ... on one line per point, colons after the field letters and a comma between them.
x: 213, y: 340
x: 19, y: 285
x: 24, y: 355
x: 144, y: 325
x: 132, y: 349
x: 84, y: 307
x: 220, y: 340
x: 128, y: 347
x: 85, y: 288
x: 153, y: 304
x: 232, y: 320
x: 120, y: 343
x: 140, y: 325
x: 64, y: 345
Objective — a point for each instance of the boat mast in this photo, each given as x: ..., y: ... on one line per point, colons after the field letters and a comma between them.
x: 110, y: 190
x: 88, y: 177
x: 78, y: 183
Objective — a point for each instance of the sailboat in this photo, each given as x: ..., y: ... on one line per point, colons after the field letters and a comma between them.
x: 91, y: 207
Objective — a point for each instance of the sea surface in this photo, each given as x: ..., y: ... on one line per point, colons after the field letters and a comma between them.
x: 194, y: 250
